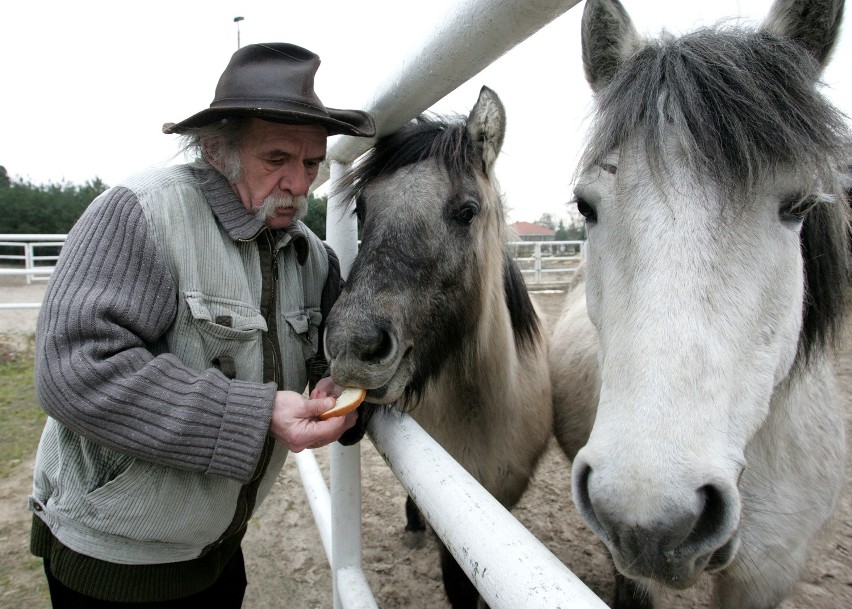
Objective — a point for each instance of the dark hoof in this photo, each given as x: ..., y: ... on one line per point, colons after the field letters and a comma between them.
x: 415, y: 540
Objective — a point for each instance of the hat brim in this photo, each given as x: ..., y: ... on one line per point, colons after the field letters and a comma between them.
x: 338, y: 122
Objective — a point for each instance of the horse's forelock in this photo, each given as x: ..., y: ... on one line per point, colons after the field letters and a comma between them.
x: 742, y: 101
x: 443, y: 138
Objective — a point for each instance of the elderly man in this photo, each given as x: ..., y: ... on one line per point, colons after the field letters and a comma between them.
x: 181, y: 326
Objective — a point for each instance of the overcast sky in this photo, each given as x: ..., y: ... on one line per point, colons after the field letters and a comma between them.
x: 88, y: 85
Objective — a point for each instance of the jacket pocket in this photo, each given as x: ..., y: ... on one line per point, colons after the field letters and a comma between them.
x: 150, y: 502
x: 304, y: 326
x: 215, y: 329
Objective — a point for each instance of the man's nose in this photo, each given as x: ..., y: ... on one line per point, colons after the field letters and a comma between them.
x: 295, y: 182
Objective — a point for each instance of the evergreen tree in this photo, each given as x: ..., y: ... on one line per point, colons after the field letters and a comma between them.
x: 45, y: 209
x: 315, y: 218
x: 26, y: 208
x: 576, y: 231
x: 546, y: 220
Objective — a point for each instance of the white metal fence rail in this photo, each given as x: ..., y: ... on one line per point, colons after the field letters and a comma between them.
x: 557, y: 259
x: 507, y: 564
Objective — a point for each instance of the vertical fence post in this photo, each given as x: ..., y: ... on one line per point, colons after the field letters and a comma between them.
x: 537, y: 256
x: 29, y: 263
x: 342, y: 236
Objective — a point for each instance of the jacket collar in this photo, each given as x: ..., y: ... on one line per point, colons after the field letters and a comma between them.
x: 238, y: 222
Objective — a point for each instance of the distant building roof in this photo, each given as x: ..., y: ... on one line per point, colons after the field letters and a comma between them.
x: 529, y: 229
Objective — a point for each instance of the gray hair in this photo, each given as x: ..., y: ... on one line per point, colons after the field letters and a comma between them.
x: 224, y: 138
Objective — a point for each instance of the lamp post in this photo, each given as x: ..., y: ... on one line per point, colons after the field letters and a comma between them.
x: 237, y: 21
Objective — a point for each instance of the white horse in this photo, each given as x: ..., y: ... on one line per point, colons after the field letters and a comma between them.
x: 692, y: 383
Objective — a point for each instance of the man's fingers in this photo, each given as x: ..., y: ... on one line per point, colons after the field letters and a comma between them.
x: 317, y: 406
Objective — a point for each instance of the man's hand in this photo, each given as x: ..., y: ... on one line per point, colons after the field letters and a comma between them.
x: 295, y: 420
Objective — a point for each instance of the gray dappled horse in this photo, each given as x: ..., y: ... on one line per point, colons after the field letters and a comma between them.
x: 693, y: 385
x: 435, y: 317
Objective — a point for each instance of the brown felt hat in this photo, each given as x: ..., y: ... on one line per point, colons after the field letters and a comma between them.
x: 275, y: 82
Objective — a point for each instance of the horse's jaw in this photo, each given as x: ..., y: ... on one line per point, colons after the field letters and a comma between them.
x: 686, y: 575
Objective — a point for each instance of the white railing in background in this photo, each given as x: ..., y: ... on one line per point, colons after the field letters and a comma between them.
x: 508, y: 565
x: 28, y: 243
x: 556, y: 259
x: 544, y: 264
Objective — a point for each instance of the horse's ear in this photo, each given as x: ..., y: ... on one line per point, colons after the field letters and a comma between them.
x: 608, y: 39
x: 486, y: 126
x: 814, y: 24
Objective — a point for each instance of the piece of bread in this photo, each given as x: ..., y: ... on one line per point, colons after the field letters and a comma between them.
x: 348, y: 401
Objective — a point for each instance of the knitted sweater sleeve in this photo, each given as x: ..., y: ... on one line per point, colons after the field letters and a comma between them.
x: 110, y: 298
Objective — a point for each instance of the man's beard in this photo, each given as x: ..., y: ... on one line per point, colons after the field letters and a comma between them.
x: 275, y: 200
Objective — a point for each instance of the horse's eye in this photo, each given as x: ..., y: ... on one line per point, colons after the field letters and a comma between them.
x: 585, y: 209
x: 794, y: 208
x: 467, y: 212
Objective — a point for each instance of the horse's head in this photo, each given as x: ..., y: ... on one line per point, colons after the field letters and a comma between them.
x: 431, y: 251
x: 717, y: 262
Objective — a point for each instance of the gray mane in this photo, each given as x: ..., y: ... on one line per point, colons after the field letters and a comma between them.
x: 743, y: 103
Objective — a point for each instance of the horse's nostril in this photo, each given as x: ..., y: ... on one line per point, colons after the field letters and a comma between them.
x: 580, y: 482
x: 374, y: 345
x: 712, y: 518
x: 382, y: 348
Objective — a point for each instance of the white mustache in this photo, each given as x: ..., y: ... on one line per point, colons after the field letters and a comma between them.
x: 273, y: 202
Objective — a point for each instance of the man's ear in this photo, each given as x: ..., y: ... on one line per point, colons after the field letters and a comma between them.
x: 210, y: 147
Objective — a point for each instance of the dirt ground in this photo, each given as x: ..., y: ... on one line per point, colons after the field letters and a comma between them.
x: 286, y: 562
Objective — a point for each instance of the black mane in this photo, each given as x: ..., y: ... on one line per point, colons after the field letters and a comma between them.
x: 425, y: 137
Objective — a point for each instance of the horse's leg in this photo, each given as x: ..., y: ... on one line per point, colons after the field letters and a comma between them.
x: 629, y: 594
x: 415, y: 525
x: 461, y: 593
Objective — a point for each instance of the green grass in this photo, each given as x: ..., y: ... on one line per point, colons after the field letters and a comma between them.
x: 22, y: 582
x: 21, y: 417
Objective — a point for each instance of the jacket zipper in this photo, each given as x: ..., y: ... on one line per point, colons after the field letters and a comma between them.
x: 265, y: 455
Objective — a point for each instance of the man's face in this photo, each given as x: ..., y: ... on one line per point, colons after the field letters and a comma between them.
x: 279, y: 163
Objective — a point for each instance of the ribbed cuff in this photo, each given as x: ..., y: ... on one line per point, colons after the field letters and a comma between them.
x: 244, y: 430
